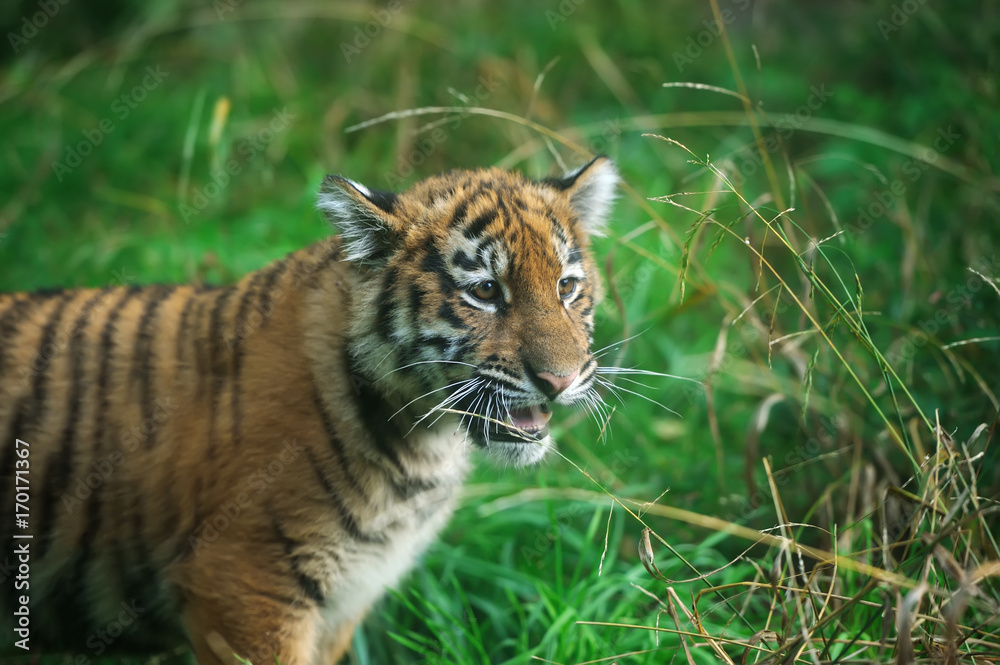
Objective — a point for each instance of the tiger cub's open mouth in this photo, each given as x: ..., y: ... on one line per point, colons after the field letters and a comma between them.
x: 524, y: 424
x: 528, y: 422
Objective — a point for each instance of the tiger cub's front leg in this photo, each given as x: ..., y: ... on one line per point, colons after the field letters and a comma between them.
x: 236, y: 604
x: 269, y: 631
x: 264, y: 634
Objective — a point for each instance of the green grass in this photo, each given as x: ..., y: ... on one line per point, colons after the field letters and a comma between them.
x: 847, y: 359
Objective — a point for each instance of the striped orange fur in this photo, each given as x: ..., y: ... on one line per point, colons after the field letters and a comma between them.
x: 245, y: 469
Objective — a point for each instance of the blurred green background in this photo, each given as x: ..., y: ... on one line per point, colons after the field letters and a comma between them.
x: 879, y: 124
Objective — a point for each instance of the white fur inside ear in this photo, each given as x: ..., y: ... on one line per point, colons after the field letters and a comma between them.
x: 593, y: 193
x: 358, y: 186
x: 357, y: 225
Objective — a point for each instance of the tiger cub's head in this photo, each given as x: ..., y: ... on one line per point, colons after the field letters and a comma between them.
x: 476, y: 297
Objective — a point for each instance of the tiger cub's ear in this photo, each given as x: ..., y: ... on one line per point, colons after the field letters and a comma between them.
x: 366, y: 219
x: 591, y: 192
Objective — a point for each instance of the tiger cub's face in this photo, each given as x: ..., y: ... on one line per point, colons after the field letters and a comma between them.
x: 476, y: 297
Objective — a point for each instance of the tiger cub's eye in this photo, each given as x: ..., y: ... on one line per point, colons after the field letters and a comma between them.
x: 567, y: 286
x: 488, y: 290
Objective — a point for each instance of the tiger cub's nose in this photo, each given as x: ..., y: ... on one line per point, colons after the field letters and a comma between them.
x: 553, y: 384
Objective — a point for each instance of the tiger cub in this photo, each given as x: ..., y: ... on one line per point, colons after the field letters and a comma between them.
x: 245, y: 469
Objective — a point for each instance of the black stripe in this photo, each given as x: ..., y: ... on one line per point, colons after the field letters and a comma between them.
x: 465, y: 347
x: 435, y: 341
x: 9, y: 323
x: 502, y: 208
x: 183, y: 329
x: 8, y: 327
x: 511, y: 383
x: 105, y: 356
x: 239, y: 326
x: 7, y: 467
x: 218, y: 365
x: 61, y: 462
x: 28, y: 412
x: 267, y: 290
x: 447, y: 314
x: 95, y: 504
x: 20, y: 413
x: 201, y: 359
x: 386, y: 304
x: 137, y: 573
x: 388, y: 436
x: 331, y: 255
x: 484, y: 246
x: 184, y: 547
x: 309, y: 585
x: 170, y: 505
x: 537, y: 236
x: 253, y: 288
x: 143, y: 359
x: 338, y: 452
x: 347, y: 520
x: 277, y: 269
x: 434, y: 264
x: 513, y: 263
x: 37, y: 300
x: 556, y: 226
x: 586, y: 316
x: 39, y: 388
x: 480, y: 223
x: 464, y: 261
x: 417, y: 295
x: 409, y: 354
x: 458, y: 216
x: 375, y: 418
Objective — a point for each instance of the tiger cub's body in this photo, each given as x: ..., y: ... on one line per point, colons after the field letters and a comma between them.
x: 248, y: 468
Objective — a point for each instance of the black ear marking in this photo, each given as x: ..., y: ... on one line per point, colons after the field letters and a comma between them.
x: 384, y: 200
x: 591, y: 192
x: 365, y: 218
x: 568, y: 179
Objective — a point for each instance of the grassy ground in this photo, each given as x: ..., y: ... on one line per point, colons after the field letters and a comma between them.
x: 815, y: 244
